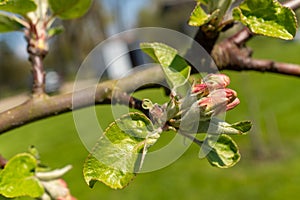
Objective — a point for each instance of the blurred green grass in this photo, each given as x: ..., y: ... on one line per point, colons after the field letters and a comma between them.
x: 271, y: 101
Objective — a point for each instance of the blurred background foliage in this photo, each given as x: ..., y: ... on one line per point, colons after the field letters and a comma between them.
x: 269, y: 168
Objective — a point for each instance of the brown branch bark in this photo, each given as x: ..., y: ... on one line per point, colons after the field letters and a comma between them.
x: 232, y: 54
x: 292, y: 4
x: 43, y: 106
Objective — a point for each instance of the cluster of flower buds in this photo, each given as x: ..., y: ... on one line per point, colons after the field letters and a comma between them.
x: 212, y: 95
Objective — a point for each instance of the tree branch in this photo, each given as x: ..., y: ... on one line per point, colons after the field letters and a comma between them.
x: 228, y: 54
x: 43, y: 106
x: 292, y: 4
x: 232, y: 53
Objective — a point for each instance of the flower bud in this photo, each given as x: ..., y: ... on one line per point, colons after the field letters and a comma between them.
x: 200, y: 89
x: 232, y: 100
x: 216, y: 81
x: 232, y: 104
x: 218, y: 101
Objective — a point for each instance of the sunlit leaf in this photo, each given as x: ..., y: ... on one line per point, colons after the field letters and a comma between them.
x: 175, y: 68
x: 69, y: 9
x: 213, y: 126
x: 216, y: 126
x: 8, y: 24
x: 116, y: 157
x: 220, y: 151
x: 267, y: 17
x: 18, y: 177
x: 21, y: 7
x: 55, y: 31
x: 198, y: 16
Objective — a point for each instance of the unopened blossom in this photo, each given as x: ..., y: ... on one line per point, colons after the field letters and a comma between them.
x: 218, y: 101
x: 232, y: 100
x: 216, y: 81
x: 200, y: 89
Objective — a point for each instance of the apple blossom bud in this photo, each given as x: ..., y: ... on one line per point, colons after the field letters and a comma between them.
x: 233, y: 104
x: 232, y: 100
x: 216, y: 81
x: 218, y: 101
x: 199, y: 88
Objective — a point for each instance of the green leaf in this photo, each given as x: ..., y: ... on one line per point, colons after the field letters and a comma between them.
x: 21, y: 7
x: 199, y: 17
x: 69, y: 9
x: 8, y: 24
x: 175, y: 68
x: 214, y: 126
x: 267, y: 17
x: 221, y: 5
x: 243, y: 126
x: 55, y: 31
x: 18, y: 177
x: 221, y: 152
x: 116, y: 156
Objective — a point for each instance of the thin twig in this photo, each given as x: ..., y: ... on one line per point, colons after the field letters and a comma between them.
x: 232, y: 54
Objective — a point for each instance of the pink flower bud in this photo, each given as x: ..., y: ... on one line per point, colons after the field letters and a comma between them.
x: 200, y: 88
x: 218, y: 101
x: 232, y: 104
x: 216, y: 81
x: 232, y: 100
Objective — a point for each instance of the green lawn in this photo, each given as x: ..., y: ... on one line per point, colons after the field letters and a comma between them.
x: 271, y: 101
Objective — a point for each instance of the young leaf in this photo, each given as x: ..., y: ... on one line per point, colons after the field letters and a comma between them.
x: 69, y: 9
x: 216, y: 126
x: 8, y: 24
x: 18, y: 177
x: 175, y: 68
x: 116, y: 156
x: 198, y: 16
x: 55, y: 31
x: 221, y: 152
x: 21, y: 7
x: 221, y: 5
x: 267, y: 17
x: 212, y: 126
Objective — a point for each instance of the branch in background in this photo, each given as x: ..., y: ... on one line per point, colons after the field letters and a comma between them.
x: 228, y: 55
x: 292, y: 4
x: 232, y: 54
x: 44, y: 106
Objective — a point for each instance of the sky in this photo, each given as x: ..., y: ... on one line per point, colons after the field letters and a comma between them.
x: 129, y: 10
